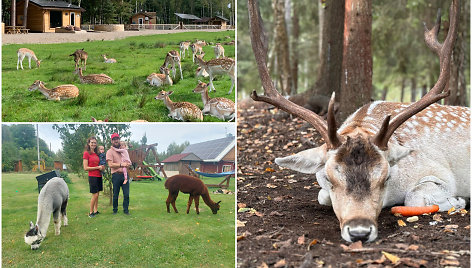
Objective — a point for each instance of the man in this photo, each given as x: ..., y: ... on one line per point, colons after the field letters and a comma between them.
x: 114, y: 160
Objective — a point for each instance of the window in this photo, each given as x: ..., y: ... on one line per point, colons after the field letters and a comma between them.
x: 227, y: 168
x: 55, y: 19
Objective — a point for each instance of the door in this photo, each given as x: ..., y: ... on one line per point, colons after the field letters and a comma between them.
x: 72, y: 18
x: 55, y: 19
x: 140, y: 21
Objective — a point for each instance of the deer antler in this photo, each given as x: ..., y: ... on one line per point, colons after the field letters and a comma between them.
x: 444, y: 52
x: 258, y: 40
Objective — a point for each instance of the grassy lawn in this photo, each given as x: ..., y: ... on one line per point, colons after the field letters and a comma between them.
x: 129, y: 98
x: 149, y: 237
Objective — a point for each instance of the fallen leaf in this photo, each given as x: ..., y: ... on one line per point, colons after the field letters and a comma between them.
x: 263, y: 265
x: 241, y: 237
x: 401, y: 246
x: 394, y: 259
x: 281, y: 263
x: 241, y: 205
x: 451, y: 210
x: 258, y: 214
x: 271, y: 186
x: 301, y: 240
x: 276, y: 213
x: 292, y: 181
x: 269, y: 169
x: 413, y: 247
x: 356, y: 245
x: 412, y: 219
x: 244, y: 209
x: 312, y: 243
x: 437, y: 217
x: 445, y: 262
x: 451, y: 226
x: 401, y: 223
x: 307, y: 187
x: 414, y: 262
x: 240, y: 223
x: 467, y: 227
x: 463, y: 212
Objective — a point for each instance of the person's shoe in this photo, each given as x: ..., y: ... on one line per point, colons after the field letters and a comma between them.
x: 115, y: 212
x: 96, y: 213
x: 126, y: 212
x: 91, y: 215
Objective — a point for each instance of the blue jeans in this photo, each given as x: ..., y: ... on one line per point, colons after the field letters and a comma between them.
x: 117, y: 180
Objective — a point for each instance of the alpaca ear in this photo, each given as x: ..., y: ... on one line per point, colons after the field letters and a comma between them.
x: 31, y: 225
x: 36, y: 228
x: 218, y: 202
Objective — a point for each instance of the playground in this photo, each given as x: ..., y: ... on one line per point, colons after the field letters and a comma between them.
x: 149, y: 236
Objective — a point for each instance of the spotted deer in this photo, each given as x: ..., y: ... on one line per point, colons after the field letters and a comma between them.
x: 24, y: 52
x: 183, y: 111
x: 158, y: 80
x: 184, y: 47
x: 172, y: 58
x: 196, y: 48
x: 94, y: 78
x: 216, y: 67
x: 201, y: 72
x: 385, y: 153
x: 58, y: 93
x: 222, y: 108
x: 80, y: 56
x: 106, y: 60
x: 219, y: 50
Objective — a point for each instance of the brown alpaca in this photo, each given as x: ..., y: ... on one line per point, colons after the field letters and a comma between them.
x: 189, y: 185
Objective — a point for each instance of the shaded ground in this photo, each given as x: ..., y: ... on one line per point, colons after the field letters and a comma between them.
x: 281, y: 223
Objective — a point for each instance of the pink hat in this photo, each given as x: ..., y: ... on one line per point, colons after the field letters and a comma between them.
x: 115, y: 135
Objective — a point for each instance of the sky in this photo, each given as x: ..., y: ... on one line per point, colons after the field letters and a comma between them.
x: 161, y: 133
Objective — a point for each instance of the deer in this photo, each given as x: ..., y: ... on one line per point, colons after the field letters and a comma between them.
x: 51, y: 200
x: 183, y: 111
x: 196, y: 48
x: 80, y: 55
x: 201, y: 43
x: 222, y: 108
x: 172, y: 58
x: 201, y: 72
x: 158, y: 80
x: 58, y: 93
x: 94, y: 78
x: 189, y: 185
x: 24, y: 52
x: 108, y: 60
x: 219, y: 50
x: 184, y: 47
x: 216, y: 67
x: 385, y: 153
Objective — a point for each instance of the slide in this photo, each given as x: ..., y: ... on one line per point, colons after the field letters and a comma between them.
x: 153, y: 172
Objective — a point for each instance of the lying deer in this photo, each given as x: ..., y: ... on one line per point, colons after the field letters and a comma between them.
x: 219, y: 50
x: 172, y: 58
x: 385, y: 153
x: 80, y: 55
x: 108, y: 60
x: 94, y: 78
x: 216, y: 67
x: 58, y: 93
x: 189, y: 185
x: 222, y: 108
x: 158, y: 80
x: 24, y: 52
x: 183, y: 111
x: 184, y: 47
x: 196, y: 48
x: 51, y: 200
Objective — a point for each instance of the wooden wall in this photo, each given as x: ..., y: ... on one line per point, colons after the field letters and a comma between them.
x: 38, y: 18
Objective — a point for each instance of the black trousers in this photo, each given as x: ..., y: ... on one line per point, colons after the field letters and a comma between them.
x: 117, y: 180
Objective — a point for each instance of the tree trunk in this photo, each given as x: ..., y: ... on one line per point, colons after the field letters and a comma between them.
x: 402, y: 90
x: 384, y: 93
x: 13, y: 13
x: 413, y: 89
x: 25, y: 13
x: 356, y: 85
x: 424, y: 90
x: 295, y: 54
x: 282, y: 47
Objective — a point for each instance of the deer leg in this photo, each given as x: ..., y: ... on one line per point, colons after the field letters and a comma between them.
x: 212, y: 88
x: 18, y: 62
x: 85, y: 64
x: 197, y: 201
x: 190, y: 199
x: 57, y: 222
x: 29, y: 62
x: 430, y: 190
x: 232, y: 84
x: 180, y: 68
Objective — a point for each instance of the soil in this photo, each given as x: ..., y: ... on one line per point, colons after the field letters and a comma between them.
x: 281, y: 223
x: 83, y: 36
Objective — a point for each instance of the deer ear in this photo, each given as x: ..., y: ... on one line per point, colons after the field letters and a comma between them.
x: 396, y: 153
x: 170, y: 92
x: 309, y: 161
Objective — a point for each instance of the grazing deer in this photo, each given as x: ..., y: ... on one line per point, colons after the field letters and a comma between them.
x: 158, y: 80
x: 201, y: 43
x: 189, y: 185
x: 184, y: 47
x: 172, y: 58
x: 219, y: 50
x: 217, y: 67
x: 51, y: 200
x: 94, y: 78
x: 80, y: 55
x: 222, y: 108
x: 58, y: 93
x: 201, y: 72
x: 24, y: 52
x: 183, y: 111
x: 108, y: 60
x: 196, y: 48
x: 385, y: 153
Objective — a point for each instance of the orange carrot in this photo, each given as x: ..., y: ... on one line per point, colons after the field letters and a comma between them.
x: 414, y: 211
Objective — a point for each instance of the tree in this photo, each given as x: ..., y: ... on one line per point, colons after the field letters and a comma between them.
x: 282, y: 48
x: 144, y: 139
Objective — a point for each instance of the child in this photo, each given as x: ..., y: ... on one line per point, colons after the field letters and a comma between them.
x: 102, y: 157
x: 124, y: 158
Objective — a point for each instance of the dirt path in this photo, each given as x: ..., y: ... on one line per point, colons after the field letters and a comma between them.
x: 52, y: 38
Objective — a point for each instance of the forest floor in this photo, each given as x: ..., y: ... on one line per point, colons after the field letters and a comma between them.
x: 54, y: 38
x: 281, y: 223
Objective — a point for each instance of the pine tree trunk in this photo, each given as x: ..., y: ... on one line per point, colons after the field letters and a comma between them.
x: 413, y: 90
x: 402, y: 90
x: 295, y: 54
x: 282, y: 47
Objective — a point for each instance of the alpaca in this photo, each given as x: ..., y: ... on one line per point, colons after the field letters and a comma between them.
x: 189, y: 185
x: 52, y: 199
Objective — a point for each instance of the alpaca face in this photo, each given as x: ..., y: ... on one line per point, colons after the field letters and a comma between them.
x: 216, y: 208
x: 33, y: 237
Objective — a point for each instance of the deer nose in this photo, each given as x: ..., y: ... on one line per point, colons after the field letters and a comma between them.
x: 360, y: 229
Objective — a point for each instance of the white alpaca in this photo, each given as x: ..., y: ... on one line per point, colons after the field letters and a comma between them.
x: 52, y: 199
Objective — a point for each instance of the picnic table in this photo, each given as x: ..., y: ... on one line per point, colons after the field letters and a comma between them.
x: 16, y: 29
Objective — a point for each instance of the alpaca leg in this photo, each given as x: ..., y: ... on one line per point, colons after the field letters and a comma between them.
x: 168, y: 201
x: 57, y: 222
x: 190, y: 199
x: 64, y: 213
x: 197, y: 201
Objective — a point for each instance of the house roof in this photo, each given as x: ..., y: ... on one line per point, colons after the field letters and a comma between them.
x: 213, y: 150
x: 187, y: 16
x: 221, y: 17
x: 180, y: 157
x: 147, y: 14
x: 55, y: 4
x: 204, y: 19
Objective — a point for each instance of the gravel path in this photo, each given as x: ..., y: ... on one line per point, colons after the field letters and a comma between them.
x: 51, y: 38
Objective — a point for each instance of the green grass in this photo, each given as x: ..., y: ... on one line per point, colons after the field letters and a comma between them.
x: 129, y: 98
x: 150, y: 237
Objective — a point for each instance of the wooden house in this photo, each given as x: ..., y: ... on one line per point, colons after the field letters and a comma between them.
x: 217, y: 20
x: 217, y: 155
x: 178, y: 163
x: 44, y: 16
x: 144, y: 18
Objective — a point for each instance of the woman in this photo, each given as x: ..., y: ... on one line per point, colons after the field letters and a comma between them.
x: 91, y: 164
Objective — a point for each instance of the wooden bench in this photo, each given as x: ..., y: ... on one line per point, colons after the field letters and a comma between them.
x: 16, y: 30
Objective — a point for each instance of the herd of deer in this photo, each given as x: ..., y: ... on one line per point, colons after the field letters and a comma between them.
x: 221, y: 108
